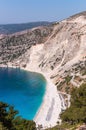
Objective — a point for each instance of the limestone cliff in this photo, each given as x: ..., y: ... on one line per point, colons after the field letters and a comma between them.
x: 58, y: 50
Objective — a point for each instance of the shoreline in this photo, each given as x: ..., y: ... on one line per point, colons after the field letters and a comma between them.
x: 48, y: 113
x: 51, y: 106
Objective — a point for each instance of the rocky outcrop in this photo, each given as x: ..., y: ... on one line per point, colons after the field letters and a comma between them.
x: 55, y: 50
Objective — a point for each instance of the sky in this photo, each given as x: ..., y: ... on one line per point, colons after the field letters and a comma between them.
x: 23, y: 11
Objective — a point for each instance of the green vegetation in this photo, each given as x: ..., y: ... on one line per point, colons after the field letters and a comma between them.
x: 10, y: 121
x: 65, y: 126
x: 76, y: 113
x: 65, y: 85
x: 67, y: 79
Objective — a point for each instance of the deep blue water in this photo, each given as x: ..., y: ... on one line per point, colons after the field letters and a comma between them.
x: 24, y: 90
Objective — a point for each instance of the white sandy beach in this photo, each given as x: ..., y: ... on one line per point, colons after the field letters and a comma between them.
x: 48, y: 114
x: 53, y: 103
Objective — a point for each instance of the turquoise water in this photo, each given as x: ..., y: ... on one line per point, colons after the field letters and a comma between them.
x: 24, y: 90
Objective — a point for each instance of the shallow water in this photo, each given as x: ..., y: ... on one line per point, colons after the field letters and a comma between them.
x: 24, y: 90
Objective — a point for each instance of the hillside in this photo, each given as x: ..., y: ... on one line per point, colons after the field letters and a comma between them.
x: 13, y: 28
x: 59, y: 49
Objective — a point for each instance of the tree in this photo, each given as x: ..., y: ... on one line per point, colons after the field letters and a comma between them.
x: 76, y: 113
x: 10, y: 121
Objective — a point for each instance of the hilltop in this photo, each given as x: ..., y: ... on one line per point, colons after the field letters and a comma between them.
x: 13, y: 28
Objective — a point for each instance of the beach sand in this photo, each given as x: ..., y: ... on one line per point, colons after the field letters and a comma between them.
x: 48, y: 113
x: 52, y: 105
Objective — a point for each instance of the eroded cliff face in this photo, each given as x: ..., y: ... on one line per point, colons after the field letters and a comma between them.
x: 58, y: 50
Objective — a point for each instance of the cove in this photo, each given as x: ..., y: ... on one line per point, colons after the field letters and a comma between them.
x: 22, y: 89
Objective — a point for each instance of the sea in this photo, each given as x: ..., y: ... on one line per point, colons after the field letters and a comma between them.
x: 22, y: 89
